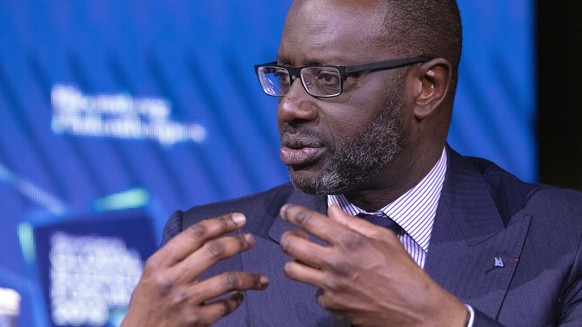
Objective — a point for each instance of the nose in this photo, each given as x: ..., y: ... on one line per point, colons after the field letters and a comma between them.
x: 297, y: 105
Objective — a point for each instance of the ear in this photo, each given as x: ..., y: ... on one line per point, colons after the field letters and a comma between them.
x: 432, y: 80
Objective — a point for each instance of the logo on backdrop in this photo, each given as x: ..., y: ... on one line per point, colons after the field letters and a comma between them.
x: 118, y: 116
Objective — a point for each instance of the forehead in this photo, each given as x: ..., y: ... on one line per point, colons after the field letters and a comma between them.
x: 333, y: 32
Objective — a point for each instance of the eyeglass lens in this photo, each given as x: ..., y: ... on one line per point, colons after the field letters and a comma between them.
x: 274, y: 80
x: 318, y: 81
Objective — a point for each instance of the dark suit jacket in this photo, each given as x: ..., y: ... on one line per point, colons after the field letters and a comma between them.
x: 484, y: 213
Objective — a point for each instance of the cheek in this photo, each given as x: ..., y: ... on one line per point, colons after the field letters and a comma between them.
x: 344, y: 125
x: 356, y: 112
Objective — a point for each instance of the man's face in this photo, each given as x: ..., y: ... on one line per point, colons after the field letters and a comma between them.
x: 340, y: 144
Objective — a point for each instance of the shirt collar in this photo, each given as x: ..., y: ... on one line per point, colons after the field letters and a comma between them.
x: 415, y: 210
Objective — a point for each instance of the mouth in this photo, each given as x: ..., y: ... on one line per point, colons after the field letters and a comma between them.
x: 297, y: 151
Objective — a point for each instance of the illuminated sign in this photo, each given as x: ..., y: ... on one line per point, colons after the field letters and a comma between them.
x: 89, y: 264
x: 90, y: 276
x: 118, y: 116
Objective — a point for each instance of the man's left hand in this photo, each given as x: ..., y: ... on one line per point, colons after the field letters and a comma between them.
x: 364, y: 274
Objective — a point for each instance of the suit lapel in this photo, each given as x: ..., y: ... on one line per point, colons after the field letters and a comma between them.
x: 280, y: 226
x: 472, y: 254
x: 285, y: 302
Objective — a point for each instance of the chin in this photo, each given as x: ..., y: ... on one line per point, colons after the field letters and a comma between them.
x: 324, y: 183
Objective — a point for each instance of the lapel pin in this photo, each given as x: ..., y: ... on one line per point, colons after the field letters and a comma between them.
x: 499, y: 262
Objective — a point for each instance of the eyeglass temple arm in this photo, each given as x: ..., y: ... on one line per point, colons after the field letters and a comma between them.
x: 385, y: 64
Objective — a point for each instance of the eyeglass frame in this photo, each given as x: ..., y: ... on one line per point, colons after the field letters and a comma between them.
x: 344, y: 71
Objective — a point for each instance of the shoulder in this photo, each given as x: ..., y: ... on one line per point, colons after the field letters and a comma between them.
x: 512, y: 195
x: 260, y: 209
x: 258, y: 204
x: 560, y: 210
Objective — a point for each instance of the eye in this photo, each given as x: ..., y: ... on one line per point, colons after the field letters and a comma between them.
x: 282, y: 75
x: 327, y: 78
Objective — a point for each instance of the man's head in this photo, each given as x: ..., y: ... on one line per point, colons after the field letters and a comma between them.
x: 386, y: 126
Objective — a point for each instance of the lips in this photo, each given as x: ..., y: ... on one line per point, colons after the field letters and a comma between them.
x: 299, y: 151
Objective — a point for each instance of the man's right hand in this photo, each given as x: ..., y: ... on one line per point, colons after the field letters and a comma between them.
x: 169, y: 292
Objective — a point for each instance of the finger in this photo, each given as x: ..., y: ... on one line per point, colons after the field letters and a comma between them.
x: 227, y: 282
x: 210, y: 253
x: 299, y: 233
x: 212, y: 312
x: 311, y: 221
x: 195, y: 236
x: 339, y: 307
x: 296, y: 244
x: 305, y: 274
x: 357, y: 224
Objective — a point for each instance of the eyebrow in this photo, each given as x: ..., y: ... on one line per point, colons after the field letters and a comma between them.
x: 311, y: 62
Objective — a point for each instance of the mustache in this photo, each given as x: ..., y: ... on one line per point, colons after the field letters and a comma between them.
x: 301, y: 138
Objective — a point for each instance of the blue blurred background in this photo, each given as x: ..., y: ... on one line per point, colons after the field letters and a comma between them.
x: 108, y: 106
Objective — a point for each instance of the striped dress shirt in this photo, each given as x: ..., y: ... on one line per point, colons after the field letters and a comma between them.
x: 414, y: 211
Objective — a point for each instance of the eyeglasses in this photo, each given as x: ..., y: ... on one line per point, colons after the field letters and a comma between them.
x: 320, y: 81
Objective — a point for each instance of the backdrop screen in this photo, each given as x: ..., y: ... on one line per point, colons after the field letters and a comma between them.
x: 110, y: 105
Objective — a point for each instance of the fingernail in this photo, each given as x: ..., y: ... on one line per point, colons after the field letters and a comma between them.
x: 264, y: 281
x: 282, y: 211
x: 287, y: 267
x: 250, y: 239
x: 238, y: 218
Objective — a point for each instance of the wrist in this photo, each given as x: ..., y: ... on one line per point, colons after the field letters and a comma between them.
x: 452, y: 312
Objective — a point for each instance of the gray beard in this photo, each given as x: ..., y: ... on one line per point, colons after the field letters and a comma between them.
x: 361, y: 158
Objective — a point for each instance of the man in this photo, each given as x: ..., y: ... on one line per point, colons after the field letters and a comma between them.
x: 468, y: 244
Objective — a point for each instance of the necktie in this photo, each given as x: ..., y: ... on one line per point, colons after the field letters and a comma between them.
x: 382, y: 220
